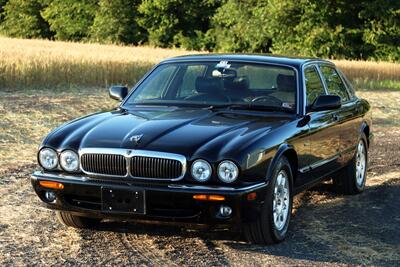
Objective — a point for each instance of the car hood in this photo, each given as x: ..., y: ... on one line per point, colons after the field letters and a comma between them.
x: 190, y: 132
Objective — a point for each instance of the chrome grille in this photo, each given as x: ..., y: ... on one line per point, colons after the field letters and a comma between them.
x: 133, y: 163
x: 107, y: 164
x: 150, y: 167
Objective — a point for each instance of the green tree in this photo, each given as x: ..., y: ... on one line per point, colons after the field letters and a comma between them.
x: 2, y: 4
x: 22, y: 18
x: 322, y: 28
x: 240, y: 26
x: 115, y: 22
x: 382, y: 28
x: 181, y: 23
x: 70, y: 19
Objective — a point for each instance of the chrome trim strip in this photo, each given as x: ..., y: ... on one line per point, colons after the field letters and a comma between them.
x: 323, y: 162
x: 128, y: 154
x: 216, y: 188
x: 40, y: 174
x: 303, y: 67
x: 318, y: 164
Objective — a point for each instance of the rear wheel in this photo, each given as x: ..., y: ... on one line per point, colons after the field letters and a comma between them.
x: 351, y: 180
x: 70, y: 220
x: 273, y: 221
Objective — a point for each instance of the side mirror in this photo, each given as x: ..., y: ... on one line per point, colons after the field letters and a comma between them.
x: 326, y: 102
x: 118, y: 92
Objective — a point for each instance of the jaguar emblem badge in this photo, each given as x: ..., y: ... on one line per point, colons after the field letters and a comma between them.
x: 136, y: 138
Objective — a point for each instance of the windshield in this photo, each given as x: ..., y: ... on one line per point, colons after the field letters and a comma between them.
x: 222, y: 83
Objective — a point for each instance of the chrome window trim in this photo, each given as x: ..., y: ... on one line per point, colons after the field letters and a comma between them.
x: 316, y: 68
x: 128, y: 154
x: 315, y: 63
x: 340, y: 77
x: 322, y: 78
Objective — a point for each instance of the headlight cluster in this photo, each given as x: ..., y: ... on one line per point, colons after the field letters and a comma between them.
x: 227, y: 171
x: 48, y: 158
x: 68, y: 159
x: 201, y: 170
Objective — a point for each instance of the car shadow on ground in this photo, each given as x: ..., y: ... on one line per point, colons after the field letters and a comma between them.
x: 325, y: 227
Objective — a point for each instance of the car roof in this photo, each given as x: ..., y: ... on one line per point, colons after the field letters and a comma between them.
x: 296, y: 62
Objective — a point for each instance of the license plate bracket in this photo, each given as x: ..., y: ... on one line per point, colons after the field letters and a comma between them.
x: 123, y: 201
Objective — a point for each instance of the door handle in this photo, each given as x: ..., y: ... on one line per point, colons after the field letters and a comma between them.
x: 335, y: 117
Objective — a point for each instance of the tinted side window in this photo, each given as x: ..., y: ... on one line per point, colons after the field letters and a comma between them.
x: 350, y: 88
x: 334, y: 83
x: 314, y: 87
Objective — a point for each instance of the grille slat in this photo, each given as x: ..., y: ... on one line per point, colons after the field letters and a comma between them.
x: 140, y: 166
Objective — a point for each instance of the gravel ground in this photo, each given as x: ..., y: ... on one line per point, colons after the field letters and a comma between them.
x: 326, y: 229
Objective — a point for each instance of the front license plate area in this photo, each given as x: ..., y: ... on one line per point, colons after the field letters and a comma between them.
x: 123, y: 201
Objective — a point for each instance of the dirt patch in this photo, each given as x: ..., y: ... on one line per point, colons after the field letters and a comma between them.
x: 327, y: 229
x: 385, y: 156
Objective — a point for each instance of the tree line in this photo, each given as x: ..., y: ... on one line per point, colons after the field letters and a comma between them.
x: 351, y: 29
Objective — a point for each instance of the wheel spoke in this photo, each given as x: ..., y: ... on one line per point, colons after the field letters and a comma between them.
x: 280, y: 203
x: 361, y: 162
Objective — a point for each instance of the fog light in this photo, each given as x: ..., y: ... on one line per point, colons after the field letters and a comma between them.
x: 225, y: 211
x: 50, y: 196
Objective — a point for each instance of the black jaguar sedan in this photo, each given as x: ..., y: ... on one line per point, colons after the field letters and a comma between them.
x: 222, y: 141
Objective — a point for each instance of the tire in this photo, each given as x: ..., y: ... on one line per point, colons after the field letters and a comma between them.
x: 70, y: 220
x: 351, y: 179
x: 269, y: 228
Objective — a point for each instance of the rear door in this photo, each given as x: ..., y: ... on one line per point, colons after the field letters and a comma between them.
x: 347, y: 115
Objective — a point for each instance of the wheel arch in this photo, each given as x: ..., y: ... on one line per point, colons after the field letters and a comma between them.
x: 289, y: 152
x: 365, y: 128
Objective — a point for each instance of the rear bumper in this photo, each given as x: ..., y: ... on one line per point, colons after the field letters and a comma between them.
x: 164, y: 203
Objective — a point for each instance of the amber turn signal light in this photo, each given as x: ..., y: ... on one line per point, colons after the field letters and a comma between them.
x: 209, y: 197
x: 51, y: 184
x: 252, y: 196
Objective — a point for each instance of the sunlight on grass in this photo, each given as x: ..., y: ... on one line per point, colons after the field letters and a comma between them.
x: 43, y: 64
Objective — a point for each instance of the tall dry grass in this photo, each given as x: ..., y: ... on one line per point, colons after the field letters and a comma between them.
x: 37, y: 64
x: 371, y: 75
x: 40, y: 63
x: 369, y: 70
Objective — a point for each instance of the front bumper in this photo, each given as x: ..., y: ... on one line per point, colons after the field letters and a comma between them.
x: 164, y: 203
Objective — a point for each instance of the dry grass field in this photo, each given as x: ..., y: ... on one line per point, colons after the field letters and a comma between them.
x: 327, y: 229
x: 41, y: 64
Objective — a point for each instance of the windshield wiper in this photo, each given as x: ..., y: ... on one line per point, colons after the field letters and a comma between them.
x: 250, y: 107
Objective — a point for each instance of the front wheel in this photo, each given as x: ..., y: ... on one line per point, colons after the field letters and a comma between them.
x: 70, y: 220
x: 273, y: 221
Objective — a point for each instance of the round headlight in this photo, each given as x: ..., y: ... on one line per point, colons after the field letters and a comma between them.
x: 69, y: 160
x: 227, y: 171
x: 201, y: 170
x: 48, y: 158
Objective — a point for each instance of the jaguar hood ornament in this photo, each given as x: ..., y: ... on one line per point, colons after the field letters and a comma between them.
x: 135, y: 139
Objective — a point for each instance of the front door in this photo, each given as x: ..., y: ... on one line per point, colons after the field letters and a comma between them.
x: 347, y: 115
x: 324, y: 135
